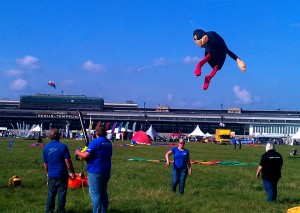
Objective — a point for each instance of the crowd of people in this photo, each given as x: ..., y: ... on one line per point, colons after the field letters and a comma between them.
x: 59, y: 168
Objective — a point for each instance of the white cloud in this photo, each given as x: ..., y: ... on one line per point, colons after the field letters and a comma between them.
x: 159, y: 61
x: 169, y: 97
x: 13, y: 73
x: 190, y: 59
x: 28, y: 61
x: 243, y: 96
x: 197, y: 104
x: 18, y: 84
x: 90, y: 66
x: 67, y: 83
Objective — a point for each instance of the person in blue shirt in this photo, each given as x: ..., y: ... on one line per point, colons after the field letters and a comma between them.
x: 181, y: 166
x: 57, y: 161
x: 98, y: 157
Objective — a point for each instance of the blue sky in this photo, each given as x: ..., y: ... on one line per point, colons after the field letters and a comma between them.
x: 143, y: 51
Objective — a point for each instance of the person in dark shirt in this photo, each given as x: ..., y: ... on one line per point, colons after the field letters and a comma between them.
x: 270, y: 170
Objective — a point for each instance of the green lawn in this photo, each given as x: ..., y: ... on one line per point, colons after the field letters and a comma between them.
x: 144, y: 186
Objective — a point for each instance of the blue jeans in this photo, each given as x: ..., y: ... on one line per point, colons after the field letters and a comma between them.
x: 271, y: 189
x: 179, y: 177
x: 98, y: 191
x: 57, y: 186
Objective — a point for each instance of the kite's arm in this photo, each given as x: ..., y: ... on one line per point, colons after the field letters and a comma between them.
x: 241, y: 64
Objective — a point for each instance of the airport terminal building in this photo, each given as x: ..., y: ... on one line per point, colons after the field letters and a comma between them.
x: 59, y: 110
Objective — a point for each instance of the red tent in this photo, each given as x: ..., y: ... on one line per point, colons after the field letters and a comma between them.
x: 141, y: 137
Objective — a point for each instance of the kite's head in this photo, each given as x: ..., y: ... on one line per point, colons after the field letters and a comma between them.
x: 200, y: 37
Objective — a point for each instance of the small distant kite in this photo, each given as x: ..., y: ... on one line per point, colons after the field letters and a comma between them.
x: 52, y: 84
x: 215, y: 53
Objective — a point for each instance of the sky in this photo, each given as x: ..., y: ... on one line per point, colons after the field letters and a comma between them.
x: 143, y: 51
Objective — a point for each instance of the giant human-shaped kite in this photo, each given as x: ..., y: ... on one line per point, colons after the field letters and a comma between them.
x: 215, y: 54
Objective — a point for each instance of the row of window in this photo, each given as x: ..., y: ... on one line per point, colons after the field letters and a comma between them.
x: 275, y: 129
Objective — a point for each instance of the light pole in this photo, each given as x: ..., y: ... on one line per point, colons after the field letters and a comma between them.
x: 221, y: 122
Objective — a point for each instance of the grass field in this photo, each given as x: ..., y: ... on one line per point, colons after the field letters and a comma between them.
x: 143, y: 186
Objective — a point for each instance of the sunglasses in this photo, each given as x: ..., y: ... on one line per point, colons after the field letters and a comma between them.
x: 182, y: 143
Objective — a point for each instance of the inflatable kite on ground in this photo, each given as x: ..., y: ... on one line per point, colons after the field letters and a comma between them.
x: 202, y: 162
x: 38, y: 144
x: 52, y: 84
x: 141, y: 137
x: 215, y: 53
x: 80, y: 181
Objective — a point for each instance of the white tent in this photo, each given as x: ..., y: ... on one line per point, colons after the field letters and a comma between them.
x: 151, y: 132
x: 36, y: 129
x: 197, y: 132
x: 208, y: 135
x: 33, y: 130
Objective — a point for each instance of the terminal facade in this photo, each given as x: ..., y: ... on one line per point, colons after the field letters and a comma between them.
x: 59, y: 110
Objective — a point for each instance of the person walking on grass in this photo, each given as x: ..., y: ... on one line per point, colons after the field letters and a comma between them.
x: 98, y: 157
x: 181, y: 166
x: 57, y: 161
x: 270, y: 170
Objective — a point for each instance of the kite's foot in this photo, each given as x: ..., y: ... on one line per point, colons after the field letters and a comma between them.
x: 206, y: 82
x: 197, y: 72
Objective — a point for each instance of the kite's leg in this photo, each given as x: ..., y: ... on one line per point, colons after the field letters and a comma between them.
x: 209, y: 77
x: 200, y: 64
